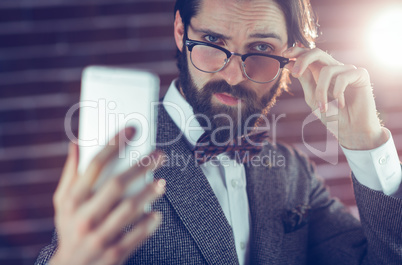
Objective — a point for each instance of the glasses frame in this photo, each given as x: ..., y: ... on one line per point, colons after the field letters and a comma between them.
x: 190, y: 44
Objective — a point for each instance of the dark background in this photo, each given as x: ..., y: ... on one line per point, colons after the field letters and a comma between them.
x: 44, y: 45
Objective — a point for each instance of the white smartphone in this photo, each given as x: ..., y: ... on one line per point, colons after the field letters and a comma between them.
x: 112, y: 99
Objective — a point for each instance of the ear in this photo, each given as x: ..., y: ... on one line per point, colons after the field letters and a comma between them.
x: 178, y: 31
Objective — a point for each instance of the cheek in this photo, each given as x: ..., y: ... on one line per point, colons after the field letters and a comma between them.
x: 199, y: 78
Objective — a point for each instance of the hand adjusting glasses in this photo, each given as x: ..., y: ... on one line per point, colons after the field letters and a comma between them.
x: 258, y: 67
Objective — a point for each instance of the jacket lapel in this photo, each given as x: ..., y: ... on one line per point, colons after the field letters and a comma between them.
x: 266, y: 192
x: 192, y: 197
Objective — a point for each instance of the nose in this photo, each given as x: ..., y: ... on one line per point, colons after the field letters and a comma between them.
x: 233, y: 72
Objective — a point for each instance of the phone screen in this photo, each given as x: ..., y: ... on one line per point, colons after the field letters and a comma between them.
x: 112, y: 99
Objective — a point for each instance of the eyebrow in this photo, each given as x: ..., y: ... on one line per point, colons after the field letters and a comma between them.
x: 254, y: 35
x: 265, y: 36
x: 210, y: 32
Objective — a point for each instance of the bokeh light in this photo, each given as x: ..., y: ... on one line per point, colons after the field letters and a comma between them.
x: 385, y: 37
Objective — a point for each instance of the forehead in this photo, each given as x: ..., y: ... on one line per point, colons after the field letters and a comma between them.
x: 241, y: 18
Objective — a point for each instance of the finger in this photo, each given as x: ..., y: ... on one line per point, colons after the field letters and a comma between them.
x: 151, y: 162
x: 85, y: 183
x: 307, y: 59
x: 294, y: 52
x: 129, y: 211
x: 112, y: 192
x: 68, y: 176
x: 308, y: 84
x: 133, y: 239
x: 142, y: 230
x: 106, y: 155
x: 325, y: 84
x: 289, y: 66
x: 355, y: 76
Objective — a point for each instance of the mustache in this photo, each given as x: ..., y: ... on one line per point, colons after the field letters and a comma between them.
x: 237, y: 91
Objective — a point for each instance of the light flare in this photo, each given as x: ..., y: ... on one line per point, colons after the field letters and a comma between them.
x: 385, y: 38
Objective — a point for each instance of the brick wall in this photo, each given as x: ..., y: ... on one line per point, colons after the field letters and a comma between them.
x: 44, y: 45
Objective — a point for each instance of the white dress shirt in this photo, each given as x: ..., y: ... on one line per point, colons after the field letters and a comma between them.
x: 378, y: 169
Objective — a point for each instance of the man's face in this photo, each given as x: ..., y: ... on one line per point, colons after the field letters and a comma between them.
x: 241, y: 27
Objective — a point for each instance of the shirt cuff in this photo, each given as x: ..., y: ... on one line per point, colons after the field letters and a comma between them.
x: 378, y: 169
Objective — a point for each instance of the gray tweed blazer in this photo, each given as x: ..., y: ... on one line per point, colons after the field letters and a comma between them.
x: 293, y: 218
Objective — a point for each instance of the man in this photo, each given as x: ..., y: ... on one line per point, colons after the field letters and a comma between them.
x: 226, y: 209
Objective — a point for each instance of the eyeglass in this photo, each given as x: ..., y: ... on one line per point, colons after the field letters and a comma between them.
x: 211, y: 58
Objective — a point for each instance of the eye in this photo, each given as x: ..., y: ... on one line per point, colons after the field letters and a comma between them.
x: 263, y: 47
x: 211, y: 38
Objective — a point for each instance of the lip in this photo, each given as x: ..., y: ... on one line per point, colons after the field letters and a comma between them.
x: 227, y: 99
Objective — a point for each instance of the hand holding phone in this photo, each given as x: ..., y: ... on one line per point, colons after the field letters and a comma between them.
x: 89, y: 224
x: 92, y: 202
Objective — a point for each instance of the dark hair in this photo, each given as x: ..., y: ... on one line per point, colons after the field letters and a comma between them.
x: 300, y: 23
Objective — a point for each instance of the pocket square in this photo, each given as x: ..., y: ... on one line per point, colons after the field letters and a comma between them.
x: 296, y: 218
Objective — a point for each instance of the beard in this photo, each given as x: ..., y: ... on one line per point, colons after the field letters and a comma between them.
x: 225, y: 122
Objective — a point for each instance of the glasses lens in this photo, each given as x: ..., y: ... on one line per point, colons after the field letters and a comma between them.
x: 208, y: 59
x: 261, y: 68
